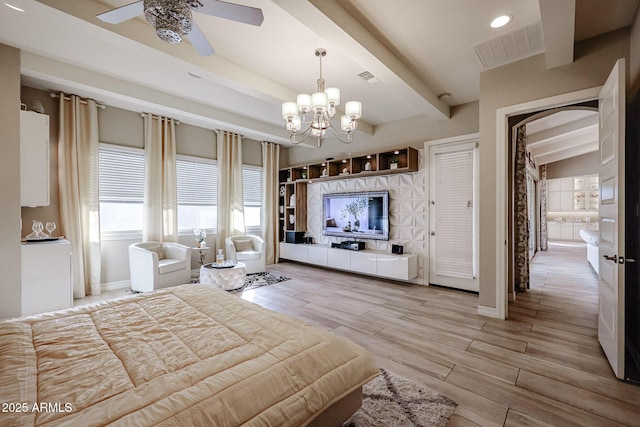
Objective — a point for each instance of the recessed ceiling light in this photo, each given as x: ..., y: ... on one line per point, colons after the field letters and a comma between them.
x: 500, y: 21
x: 14, y: 7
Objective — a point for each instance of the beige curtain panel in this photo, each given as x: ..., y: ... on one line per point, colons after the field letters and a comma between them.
x: 79, y: 194
x: 160, y: 181
x: 230, y: 194
x: 270, y: 165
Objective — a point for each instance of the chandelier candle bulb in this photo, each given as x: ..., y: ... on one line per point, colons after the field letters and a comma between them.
x: 333, y: 96
x: 345, y: 123
x: 304, y: 102
x: 319, y: 101
x: 353, y: 109
x: 289, y: 110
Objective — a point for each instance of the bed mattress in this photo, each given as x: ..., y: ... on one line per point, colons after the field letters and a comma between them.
x: 186, y: 355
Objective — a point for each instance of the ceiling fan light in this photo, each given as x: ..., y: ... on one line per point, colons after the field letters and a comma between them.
x: 170, y: 18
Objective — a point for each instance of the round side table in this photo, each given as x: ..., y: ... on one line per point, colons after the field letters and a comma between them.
x: 224, y: 278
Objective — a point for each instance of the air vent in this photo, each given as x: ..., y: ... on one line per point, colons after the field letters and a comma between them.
x: 368, y: 77
x: 511, y: 47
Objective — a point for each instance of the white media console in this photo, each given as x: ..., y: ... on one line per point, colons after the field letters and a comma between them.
x: 374, y: 263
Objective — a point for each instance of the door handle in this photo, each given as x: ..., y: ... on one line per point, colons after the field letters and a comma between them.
x: 613, y: 258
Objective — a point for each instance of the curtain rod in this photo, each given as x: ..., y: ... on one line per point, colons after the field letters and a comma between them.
x: 82, y: 101
x: 156, y: 117
x: 222, y: 130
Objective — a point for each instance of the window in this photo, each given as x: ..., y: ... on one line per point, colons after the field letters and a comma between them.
x: 121, y: 175
x: 252, y: 191
x: 197, y: 193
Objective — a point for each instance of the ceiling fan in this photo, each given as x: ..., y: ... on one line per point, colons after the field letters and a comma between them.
x: 172, y: 18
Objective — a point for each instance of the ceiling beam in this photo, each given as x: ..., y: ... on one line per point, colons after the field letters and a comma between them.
x: 566, y: 154
x: 331, y: 21
x: 576, y: 127
x: 558, y: 27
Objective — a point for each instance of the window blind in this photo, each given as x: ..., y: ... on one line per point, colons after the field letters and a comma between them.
x: 197, y: 181
x: 121, y: 174
x: 252, y: 185
x: 454, y: 213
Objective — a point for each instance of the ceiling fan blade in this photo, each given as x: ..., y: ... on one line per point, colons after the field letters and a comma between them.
x: 123, y: 13
x: 235, y: 12
x: 199, y: 41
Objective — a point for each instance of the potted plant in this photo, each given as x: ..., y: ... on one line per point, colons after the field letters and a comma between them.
x: 355, y: 209
x: 394, y: 162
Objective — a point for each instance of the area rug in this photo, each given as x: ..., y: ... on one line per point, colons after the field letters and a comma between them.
x: 390, y: 400
x: 258, y: 280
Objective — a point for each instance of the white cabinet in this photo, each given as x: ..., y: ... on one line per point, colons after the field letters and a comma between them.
x: 46, y: 276
x: 317, y: 255
x: 573, y: 194
x: 374, y: 263
x: 34, y: 159
x: 364, y: 262
x: 560, y: 231
x: 560, y: 201
x: 336, y: 259
x: 391, y: 265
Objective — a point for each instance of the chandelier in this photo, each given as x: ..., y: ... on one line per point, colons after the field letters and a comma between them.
x: 170, y: 18
x: 316, y: 112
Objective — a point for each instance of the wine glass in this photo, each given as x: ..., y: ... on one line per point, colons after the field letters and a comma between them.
x: 50, y: 226
x: 37, y: 228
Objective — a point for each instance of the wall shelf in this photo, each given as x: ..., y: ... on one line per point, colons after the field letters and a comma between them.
x: 405, y: 160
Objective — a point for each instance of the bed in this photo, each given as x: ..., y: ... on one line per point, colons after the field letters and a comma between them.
x: 186, y: 355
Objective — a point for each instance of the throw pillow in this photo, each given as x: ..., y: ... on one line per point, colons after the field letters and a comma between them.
x: 243, y: 245
x: 159, y: 250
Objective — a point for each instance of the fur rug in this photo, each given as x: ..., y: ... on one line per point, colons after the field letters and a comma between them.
x: 390, y: 400
x: 258, y: 280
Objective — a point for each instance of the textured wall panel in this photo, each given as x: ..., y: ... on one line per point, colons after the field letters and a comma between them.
x: 406, y: 209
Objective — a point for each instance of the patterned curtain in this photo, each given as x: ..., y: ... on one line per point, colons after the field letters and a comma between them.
x: 521, y: 231
x: 544, y: 244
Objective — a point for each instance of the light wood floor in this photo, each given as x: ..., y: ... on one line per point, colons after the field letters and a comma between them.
x: 543, y: 366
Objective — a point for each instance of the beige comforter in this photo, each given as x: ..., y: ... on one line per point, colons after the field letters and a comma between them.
x: 187, y: 355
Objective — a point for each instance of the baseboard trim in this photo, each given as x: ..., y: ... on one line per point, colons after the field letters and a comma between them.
x: 114, y: 286
x: 488, y: 311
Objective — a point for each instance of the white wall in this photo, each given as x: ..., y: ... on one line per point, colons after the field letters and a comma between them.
x: 518, y: 83
x: 586, y: 164
x: 10, y: 283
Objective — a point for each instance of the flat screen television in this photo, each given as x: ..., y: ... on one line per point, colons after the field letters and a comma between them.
x: 359, y: 215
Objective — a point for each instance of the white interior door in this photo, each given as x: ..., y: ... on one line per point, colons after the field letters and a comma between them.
x: 453, y: 216
x: 611, y: 275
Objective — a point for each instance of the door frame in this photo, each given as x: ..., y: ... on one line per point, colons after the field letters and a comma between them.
x: 471, y: 137
x: 502, y: 188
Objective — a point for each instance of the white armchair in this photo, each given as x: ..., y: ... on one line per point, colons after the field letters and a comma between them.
x: 249, y: 250
x: 155, y: 265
